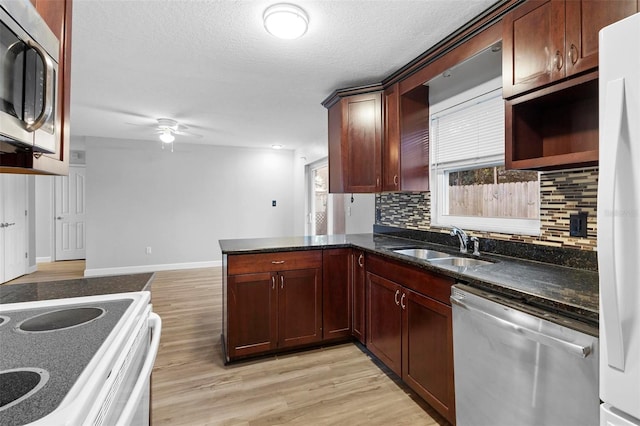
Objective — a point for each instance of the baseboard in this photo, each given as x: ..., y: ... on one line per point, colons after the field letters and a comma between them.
x: 149, y: 268
x: 31, y: 269
x: 45, y: 259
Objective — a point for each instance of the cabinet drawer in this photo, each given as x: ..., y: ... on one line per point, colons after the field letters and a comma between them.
x: 436, y: 286
x: 270, y: 262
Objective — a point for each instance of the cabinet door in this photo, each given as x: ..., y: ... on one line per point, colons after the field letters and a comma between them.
x: 336, y: 294
x: 252, y: 314
x: 384, y: 328
x: 414, y: 140
x: 427, y: 364
x: 584, y: 19
x: 362, y: 142
x: 533, y: 46
x: 391, y: 142
x: 359, y: 299
x: 299, y: 307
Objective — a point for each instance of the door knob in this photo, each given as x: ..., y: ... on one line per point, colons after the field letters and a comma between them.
x: 59, y: 217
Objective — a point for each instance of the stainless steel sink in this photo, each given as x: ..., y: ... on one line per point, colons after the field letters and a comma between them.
x: 459, y: 261
x: 422, y: 253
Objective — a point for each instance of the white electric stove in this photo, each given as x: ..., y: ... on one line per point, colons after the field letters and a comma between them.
x: 83, y: 360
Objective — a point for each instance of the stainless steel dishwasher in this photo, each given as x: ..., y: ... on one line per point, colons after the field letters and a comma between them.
x: 517, y: 365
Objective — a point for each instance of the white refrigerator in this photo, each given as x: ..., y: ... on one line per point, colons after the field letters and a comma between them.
x: 619, y: 223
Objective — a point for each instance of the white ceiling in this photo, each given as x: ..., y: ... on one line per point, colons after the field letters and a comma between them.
x: 211, y: 65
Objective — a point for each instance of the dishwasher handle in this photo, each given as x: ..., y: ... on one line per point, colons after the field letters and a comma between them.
x: 573, y: 348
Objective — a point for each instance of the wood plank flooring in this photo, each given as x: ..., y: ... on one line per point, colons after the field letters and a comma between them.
x: 336, y: 385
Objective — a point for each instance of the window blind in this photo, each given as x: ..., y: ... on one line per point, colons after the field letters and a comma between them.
x: 469, y: 133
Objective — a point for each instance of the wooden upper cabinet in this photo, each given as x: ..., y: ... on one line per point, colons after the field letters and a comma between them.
x: 545, y: 41
x: 391, y: 142
x: 405, y: 156
x: 584, y: 19
x: 355, y: 144
x: 533, y: 46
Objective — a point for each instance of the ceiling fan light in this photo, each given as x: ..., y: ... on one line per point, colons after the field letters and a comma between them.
x: 166, y: 136
x: 286, y: 21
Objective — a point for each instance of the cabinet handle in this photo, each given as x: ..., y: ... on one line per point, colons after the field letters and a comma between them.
x: 277, y: 262
x: 281, y: 282
x: 273, y: 283
x: 395, y: 180
x: 402, y: 301
x: 573, y: 54
x: 377, y: 181
x: 557, y: 60
x: 396, y: 297
x: 361, y: 260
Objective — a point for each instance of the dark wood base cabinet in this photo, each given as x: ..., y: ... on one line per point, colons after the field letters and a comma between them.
x: 272, y: 302
x: 410, y: 332
x: 279, y: 301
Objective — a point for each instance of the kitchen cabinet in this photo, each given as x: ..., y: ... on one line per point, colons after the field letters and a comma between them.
x: 405, y: 157
x: 409, y: 329
x: 336, y: 294
x: 545, y: 41
x: 273, y: 302
x: 355, y: 143
x: 358, y: 324
x: 550, y: 81
x: 57, y: 14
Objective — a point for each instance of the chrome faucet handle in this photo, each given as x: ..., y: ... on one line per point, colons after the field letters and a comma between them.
x: 476, y: 246
x: 462, y: 236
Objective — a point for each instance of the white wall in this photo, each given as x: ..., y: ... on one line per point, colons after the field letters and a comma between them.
x: 180, y: 204
x: 360, y: 215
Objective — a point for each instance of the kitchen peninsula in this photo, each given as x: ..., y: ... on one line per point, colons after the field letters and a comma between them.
x: 290, y: 293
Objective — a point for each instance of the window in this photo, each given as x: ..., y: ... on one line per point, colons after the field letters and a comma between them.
x: 471, y: 189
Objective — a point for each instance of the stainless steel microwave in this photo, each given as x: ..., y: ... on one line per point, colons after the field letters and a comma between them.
x: 29, y: 54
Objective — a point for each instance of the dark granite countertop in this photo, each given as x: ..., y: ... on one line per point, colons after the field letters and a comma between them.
x: 45, y: 290
x: 569, y: 291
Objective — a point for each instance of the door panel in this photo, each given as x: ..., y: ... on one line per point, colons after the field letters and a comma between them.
x: 13, y: 233
x: 427, y: 365
x: 252, y: 313
x: 359, y: 296
x: 336, y: 293
x: 70, y: 215
x: 299, y: 307
x: 584, y: 20
x: 533, y: 46
x: 384, y: 329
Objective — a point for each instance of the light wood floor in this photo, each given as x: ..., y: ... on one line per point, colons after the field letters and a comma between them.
x: 337, y: 385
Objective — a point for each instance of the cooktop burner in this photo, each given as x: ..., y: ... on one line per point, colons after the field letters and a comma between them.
x: 65, y: 318
x: 59, y: 340
x: 3, y: 319
x: 19, y: 384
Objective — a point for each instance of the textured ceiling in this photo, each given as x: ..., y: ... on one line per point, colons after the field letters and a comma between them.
x: 212, y: 66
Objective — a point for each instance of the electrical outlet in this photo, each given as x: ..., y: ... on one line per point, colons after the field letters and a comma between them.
x: 148, y: 251
x: 578, y: 225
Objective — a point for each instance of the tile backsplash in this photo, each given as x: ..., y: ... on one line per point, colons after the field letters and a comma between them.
x: 561, y: 194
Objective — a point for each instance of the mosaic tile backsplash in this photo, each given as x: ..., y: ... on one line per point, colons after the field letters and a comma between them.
x: 561, y: 194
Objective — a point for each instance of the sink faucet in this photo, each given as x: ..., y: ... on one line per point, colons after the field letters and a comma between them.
x: 462, y: 236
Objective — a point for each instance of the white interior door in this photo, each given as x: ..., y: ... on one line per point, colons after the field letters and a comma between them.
x: 13, y: 226
x: 70, y: 214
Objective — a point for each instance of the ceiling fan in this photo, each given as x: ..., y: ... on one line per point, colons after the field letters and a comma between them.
x: 168, y: 128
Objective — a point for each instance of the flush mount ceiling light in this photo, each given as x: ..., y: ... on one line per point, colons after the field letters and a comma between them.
x: 286, y: 21
x: 276, y: 146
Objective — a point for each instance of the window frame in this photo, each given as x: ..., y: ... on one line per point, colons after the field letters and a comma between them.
x: 439, y: 174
